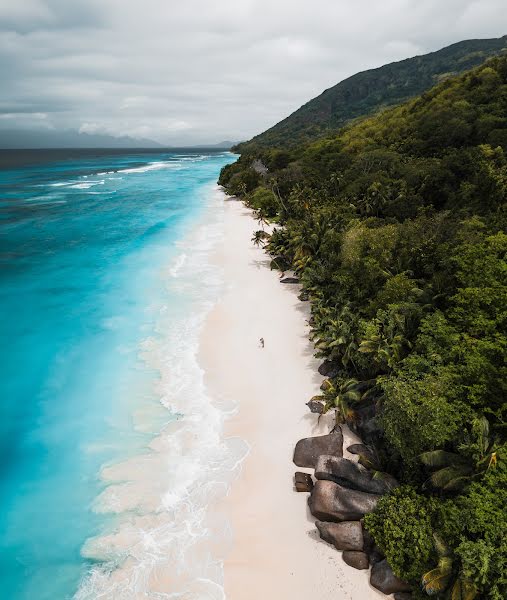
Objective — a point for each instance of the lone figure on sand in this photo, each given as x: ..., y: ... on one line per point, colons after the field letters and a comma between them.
x: 262, y: 342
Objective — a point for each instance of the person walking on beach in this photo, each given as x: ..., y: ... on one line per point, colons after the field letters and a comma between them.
x: 262, y: 342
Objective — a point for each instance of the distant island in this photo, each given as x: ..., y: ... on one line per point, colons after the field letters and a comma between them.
x: 70, y: 138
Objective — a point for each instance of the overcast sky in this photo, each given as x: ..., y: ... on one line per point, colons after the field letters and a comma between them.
x: 192, y: 71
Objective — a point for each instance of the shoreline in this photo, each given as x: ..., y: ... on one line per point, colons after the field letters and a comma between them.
x: 275, y: 552
x: 166, y: 537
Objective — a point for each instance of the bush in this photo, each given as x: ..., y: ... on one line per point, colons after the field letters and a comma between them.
x: 265, y: 200
x: 402, y: 528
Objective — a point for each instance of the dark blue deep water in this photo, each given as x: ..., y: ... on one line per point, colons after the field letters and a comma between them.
x: 83, y: 243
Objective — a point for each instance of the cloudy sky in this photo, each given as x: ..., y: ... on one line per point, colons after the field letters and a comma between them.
x: 192, y: 71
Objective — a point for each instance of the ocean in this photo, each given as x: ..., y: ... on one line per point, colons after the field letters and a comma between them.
x: 111, y: 449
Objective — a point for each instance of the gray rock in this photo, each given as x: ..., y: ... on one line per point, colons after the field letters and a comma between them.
x: 289, y: 280
x: 329, y: 369
x: 315, y: 406
x: 382, y: 578
x: 308, y: 450
x: 369, y: 542
x: 330, y: 501
x: 375, y: 555
x: 364, y: 423
x: 357, y: 560
x: 351, y: 475
x: 403, y: 596
x: 303, y: 482
x: 347, y: 535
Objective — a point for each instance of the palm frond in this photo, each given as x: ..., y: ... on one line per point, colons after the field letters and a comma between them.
x: 481, y: 428
x: 350, y: 383
x: 447, y: 477
x: 352, y: 396
x: 367, y: 346
x: 441, y: 458
x: 435, y: 581
x: 327, y: 385
x: 457, y: 484
x: 327, y: 406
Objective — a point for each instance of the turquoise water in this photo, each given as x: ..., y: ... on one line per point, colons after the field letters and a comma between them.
x: 87, y: 247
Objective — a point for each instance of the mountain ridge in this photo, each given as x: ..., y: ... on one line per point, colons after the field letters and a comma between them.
x: 369, y: 91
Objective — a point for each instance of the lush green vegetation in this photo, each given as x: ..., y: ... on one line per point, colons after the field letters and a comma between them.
x: 396, y: 228
x: 367, y: 92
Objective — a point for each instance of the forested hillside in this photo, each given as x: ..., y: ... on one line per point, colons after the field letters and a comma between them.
x: 396, y: 229
x: 367, y: 92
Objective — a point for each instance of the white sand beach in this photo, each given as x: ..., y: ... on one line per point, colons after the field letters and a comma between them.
x: 276, y: 553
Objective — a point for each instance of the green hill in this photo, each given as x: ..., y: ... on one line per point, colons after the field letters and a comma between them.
x: 367, y: 92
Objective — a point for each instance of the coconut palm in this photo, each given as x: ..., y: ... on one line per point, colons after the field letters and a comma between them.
x: 333, y: 333
x: 388, y: 342
x: 346, y: 395
x: 276, y: 192
x: 261, y: 217
x: 453, y: 471
x: 341, y: 398
x: 260, y: 238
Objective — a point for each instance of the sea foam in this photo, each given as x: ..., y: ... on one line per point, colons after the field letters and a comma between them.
x: 167, y: 540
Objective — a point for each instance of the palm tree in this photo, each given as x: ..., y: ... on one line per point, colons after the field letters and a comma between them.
x: 388, y: 343
x: 334, y: 333
x: 276, y: 192
x: 444, y: 574
x: 341, y: 398
x: 260, y: 237
x: 261, y: 217
x: 453, y: 471
x: 346, y: 395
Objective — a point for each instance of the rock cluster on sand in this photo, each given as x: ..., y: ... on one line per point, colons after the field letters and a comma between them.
x: 329, y: 369
x: 316, y: 406
x: 347, y: 535
x: 343, y: 493
x: 333, y: 502
x: 352, y: 475
x: 358, y: 560
x: 308, y: 450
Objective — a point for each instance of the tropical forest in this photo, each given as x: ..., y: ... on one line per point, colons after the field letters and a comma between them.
x: 395, y: 226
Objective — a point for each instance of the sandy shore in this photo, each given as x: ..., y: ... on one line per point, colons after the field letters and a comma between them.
x: 276, y: 553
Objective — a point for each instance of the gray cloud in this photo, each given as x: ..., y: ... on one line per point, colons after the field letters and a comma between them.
x: 201, y: 71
